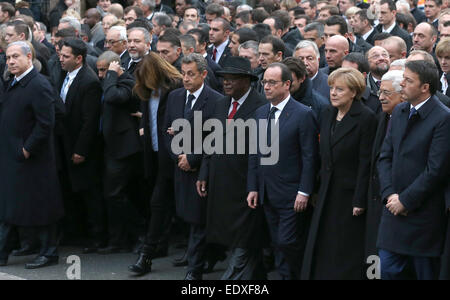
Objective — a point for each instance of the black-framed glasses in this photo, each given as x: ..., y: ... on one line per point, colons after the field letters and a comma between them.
x: 111, y: 42
x: 270, y: 82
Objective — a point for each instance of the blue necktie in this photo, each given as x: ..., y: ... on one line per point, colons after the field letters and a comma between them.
x: 271, y: 119
x: 13, y: 83
x: 62, y: 94
x: 412, y: 113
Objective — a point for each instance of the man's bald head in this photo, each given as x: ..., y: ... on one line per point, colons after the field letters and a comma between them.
x: 336, y: 48
x: 92, y: 17
x: 396, y: 47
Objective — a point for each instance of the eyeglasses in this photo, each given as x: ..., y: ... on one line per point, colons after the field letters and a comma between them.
x: 270, y: 82
x: 386, y: 93
x: 111, y: 42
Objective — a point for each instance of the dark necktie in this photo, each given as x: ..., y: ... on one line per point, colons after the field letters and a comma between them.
x: 412, y: 113
x: 271, y: 120
x: 13, y: 83
x: 132, y: 65
x: 214, y: 54
x: 188, y: 106
x: 378, y: 83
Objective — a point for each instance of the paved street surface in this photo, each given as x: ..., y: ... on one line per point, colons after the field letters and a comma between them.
x: 102, y: 267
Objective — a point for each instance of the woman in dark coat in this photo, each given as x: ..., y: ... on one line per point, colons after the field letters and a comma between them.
x: 155, y: 79
x: 335, y: 247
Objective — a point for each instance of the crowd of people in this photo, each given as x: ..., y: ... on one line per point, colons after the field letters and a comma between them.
x: 358, y: 94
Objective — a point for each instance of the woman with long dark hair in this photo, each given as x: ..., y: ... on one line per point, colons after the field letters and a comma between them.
x: 155, y: 79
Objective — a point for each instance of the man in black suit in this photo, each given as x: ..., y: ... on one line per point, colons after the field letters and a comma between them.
x: 169, y: 48
x: 201, y: 39
x: 282, y: 180
x: 138, y: 45
x: 417, y: 12
x: 223, y: 179
x: 271, y: 49
x: 81, y: 92
x: 388, y: 24
x: 121, y: 147
x: 413, y: 170
x: 336, y: 48
x: 116, y: 41
x: 390, y: 97
x: 379, y: 63
x: 363, y: 27
x: 432, y: 9
x: 219, y: 38
x: 280, y: 29
x: 185, y: 103
x: 307, y: 51
x: 314, y: 32
x: 31, y: 195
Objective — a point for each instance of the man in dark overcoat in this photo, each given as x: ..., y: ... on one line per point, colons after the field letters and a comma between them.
x: 223, y: 177
x: 29, y: 187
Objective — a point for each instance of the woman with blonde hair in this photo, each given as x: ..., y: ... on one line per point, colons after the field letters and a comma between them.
x: 443, y: 57
x: 155, y: 79
x: 335, y: 247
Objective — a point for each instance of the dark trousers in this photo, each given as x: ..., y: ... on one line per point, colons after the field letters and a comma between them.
x: 196, y: 251
x: 287, y: 231
x: 84, y: 212
x: 122, y: 214
x: 161, y: 206
x: 245, y: 264
x: 47, y: 236
x: 403, y: 267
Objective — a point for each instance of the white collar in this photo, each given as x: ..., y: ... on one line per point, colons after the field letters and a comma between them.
x: 315, y: 75
x: 196, y: 93
x: 24, y: 74
x: 365, y: 36
x: 74, y: 73
x: 123, y: 52
x: 222, y: 46
x: 390, y: 28
x: 418, y: 106
x: 282, y: 104
x: 242, y: 99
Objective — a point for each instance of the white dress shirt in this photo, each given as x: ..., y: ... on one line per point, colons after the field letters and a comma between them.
x: 418, y: 106
x: 220, y: 49
x: 196, y: 95
x: 72, y: 76
x: 444, y: 84
x: 24, y: 74
x: 365, y: 36
x: 390, y: 28
x: 240, y: 101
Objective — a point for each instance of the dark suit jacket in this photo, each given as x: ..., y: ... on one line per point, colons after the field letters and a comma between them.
x: 81, y: 127
x: 224, y: 56
x: 418, y: 15
x: 323, y: 60
x: 370, y: 38
x: 397, y: 31
x: 120, y: 129
x: 29, y: 188
x: 374, y: 203
x: 49, y: 46
x: 363, y: 45
x: 125, y: 60
x: 371, y: 100
x: 291, y: 38
x: 189, y: 205
x: 311, y: 98
x: 297, y: 162
x: 414, y: 163
x: 320, y: 84
x: 370, y: 82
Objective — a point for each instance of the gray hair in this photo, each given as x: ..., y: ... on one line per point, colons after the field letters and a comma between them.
x: 196, y: 58
x: 24, y: 47
x: 122, y: 32
x: 147, y: 37
x: 244, y: 7
x: 399, y: 62
x: 150, y: 3
x: 396, y: 76
x: 315, y: 26
x: 306, y: 44
x: 162, y: 19
x: 41, y: 26
x: 109, y: 57
x: 188, y: 40
x: 73, y: 22
x: 401, y: 3
x: 254, y: 45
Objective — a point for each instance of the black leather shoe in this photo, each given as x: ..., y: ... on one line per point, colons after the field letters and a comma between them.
x: 212, y: 261
x: 113, y: 249
x: 3, y: 262
x: 180, y: 262
x: 42, y: 261
x: 193, y: 276
x: 142, y: 266
x: 27, y: 250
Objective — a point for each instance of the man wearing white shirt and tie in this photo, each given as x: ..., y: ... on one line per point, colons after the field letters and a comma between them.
x: 219, y: 38
x: 81, y: 92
